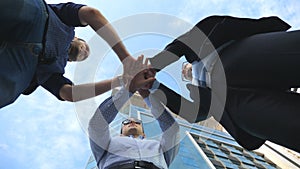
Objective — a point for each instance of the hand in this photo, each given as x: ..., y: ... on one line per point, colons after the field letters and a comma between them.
x: 150, y: 73
x: 133, y: 66
x: 140, y: 81
x: 194, y: 92
x: 144, y: 92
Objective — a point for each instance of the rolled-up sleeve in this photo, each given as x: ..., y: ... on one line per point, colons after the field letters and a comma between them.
x: 55, y: 83
x: 68, y: 13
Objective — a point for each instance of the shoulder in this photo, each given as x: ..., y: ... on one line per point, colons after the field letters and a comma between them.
x: 65, y: 6
x: 68, y: 13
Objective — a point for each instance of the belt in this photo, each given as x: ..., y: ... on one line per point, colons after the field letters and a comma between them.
x: 136, y: 165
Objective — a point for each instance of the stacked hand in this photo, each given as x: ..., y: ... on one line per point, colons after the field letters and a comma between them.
x: 137, y: 73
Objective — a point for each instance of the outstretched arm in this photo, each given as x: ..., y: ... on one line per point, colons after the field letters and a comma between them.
x: 75, y: 93
x: 212, y: 33
x: 168, y: 125
x: 191, y: 111
x: 107, y: 111
x: 98, y: 128
x: 133, y: 80
x: 99, y: 23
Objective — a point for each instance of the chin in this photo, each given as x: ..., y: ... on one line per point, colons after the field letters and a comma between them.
x: 132, y: 131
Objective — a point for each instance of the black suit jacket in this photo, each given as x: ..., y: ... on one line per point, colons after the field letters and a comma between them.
x: 206, y: 36
x: 211, y: 33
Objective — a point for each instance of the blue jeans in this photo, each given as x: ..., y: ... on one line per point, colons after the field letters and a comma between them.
x: 21, y: 36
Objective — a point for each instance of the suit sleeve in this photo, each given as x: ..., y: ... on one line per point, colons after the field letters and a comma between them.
x: 222, y: 29
x: 210, y: 34
x: 197, y: 109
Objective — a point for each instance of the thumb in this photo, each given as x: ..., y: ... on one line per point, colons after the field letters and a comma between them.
x: 148, y: 81
x: 189, y: 86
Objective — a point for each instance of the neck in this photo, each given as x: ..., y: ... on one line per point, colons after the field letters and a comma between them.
x: 136, y: 136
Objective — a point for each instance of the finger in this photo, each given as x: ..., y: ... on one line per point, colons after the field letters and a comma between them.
x: 139, y: 64
x: 140, y: 59
x: 152, y: 70
x: 148, y: 81
x: 151, y: 73
x: 128, y: 64
x: 144, y: 71
x: 148, y: 86
x: 189, y: 86
x: 146, y: 63
x: 148, y: 74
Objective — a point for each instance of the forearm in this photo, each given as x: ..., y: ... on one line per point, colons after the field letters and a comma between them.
x: 163, y: 116
x: 169, y: 127
x: 86, y: 91
x: 163, y: 59
x: 99, y: 123
x: 182, y: 45
x: 109, y: 34
x: 191, y: 111
x: 171, y: 137
x: 104, y: 29
x: 98, y: 129
x: 99, y: 134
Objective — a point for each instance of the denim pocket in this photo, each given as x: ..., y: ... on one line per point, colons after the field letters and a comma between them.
x: 34, y: 48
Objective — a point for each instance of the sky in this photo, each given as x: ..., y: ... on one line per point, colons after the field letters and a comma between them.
x: 40, y: 132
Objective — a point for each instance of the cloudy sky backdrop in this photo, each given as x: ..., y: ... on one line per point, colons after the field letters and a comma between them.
x: 39, y: 132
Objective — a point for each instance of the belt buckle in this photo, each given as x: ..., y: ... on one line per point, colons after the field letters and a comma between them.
x: 137, y: 165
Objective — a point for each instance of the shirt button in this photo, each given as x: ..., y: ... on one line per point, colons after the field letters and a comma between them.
x: 36, y: 50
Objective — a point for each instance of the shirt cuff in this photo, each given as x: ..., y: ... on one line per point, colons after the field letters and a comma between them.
x: 196, y: 66
x: 154, y: 86
x: 147, y: 101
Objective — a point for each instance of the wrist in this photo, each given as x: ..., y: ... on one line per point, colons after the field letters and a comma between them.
x: 121, y: 51
x: 144, y: 93
x: 117, y: 81
x: 120, y: 81
x: 130, y: 88
x: 154, y: 87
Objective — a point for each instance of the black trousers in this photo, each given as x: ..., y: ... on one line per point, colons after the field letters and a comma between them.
x: 269, y: 60
x: 250, y: 84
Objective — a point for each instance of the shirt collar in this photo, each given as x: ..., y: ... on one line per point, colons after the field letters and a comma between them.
x: 140, y: 137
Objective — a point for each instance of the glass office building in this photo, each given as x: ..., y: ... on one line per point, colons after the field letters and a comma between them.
x: 200, y: 146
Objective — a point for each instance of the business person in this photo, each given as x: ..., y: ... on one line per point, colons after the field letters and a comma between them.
x: 252, y: 65
x: 132, y: 149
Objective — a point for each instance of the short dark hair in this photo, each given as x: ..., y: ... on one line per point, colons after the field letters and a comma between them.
x: 74, y: 49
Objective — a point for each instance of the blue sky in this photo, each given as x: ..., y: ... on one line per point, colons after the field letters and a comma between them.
x: 39, y: 132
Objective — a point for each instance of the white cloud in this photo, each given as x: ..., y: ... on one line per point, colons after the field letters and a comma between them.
x: 38, y: 131
x: 3, y: 146
x: 44, y: 132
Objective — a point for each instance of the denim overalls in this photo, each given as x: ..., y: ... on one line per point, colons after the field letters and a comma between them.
x: 21, y: 44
